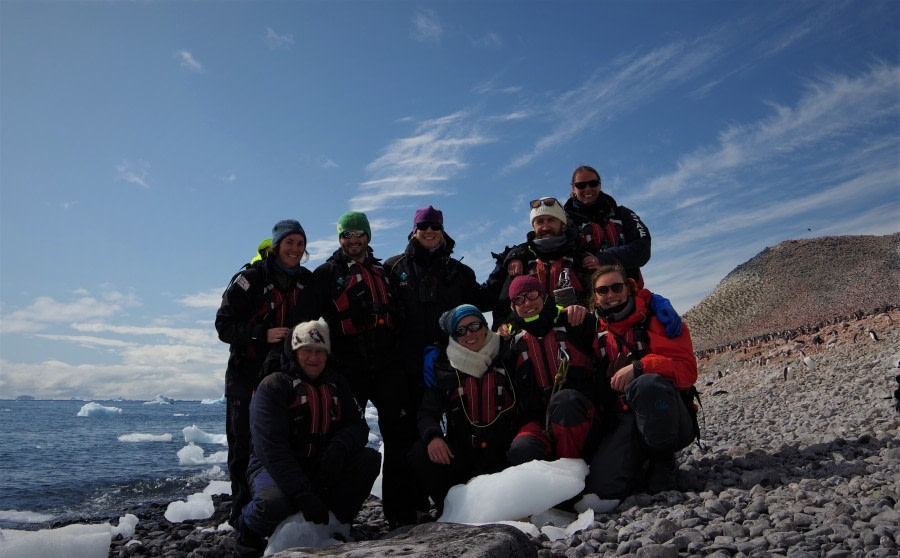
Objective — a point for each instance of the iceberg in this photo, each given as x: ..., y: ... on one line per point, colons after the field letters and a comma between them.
x: 97, y: 410
x: 219, y: 401
x: 160, y: 400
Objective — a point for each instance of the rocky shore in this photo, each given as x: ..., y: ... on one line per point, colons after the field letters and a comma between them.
x: 798, y: 459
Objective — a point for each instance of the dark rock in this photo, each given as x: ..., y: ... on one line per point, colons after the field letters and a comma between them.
x: 434, y: 540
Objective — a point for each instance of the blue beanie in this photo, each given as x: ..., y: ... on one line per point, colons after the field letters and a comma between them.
x: 285, y: 228
x: 450, y: 319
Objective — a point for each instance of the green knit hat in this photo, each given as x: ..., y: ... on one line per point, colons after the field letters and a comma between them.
x: 354, y: 221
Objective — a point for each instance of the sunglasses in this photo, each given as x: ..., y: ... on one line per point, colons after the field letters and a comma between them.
x: 473, y: 327
x: 519, y: 300
x: 433, y: 226
x: 353, y: 234
x: 615, y: 287
x: 549, y: 202
x: 586, y: 184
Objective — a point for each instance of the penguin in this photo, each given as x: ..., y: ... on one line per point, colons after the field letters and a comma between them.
x: 872, y: 335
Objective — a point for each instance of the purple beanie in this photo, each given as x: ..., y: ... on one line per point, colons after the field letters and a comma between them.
x: 428, y: 215
x: 524, y: 284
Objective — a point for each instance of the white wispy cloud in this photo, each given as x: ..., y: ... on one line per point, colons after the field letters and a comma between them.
x: 276, y: 40
x: 610, y: 92
x: 230, y: 178
x: 60, y: 380
x: 185, y: 335
x: 187, y: 60
x: 45, y: 310
x: 125, y: 173
x: 327, y: 163
x: 833, y: 106
x: 426, y: 26
x: 210, y: 299
x: 417, y: 165
x: 491, y: 39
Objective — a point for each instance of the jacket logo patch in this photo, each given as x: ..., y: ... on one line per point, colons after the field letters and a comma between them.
x: 242, y: 282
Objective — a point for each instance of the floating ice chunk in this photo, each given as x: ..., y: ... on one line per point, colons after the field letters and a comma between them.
x: 219, y: 401
x: 160, y: 400
x: 193, y: 434
x: 193, y: 455
x: 97, y: 410
x: 218, y: 487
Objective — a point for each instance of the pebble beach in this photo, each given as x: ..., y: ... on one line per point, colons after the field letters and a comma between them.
x: 797, y: 459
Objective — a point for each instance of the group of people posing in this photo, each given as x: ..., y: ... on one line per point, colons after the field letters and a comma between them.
x: 581, y: 361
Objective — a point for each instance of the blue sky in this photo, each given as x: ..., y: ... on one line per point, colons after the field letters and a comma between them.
x: 146, y: 147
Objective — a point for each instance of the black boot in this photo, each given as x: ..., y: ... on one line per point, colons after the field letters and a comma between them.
x: 662, y: 473
x: 247, y: 544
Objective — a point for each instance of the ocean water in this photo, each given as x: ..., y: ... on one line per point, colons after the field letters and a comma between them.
x: 55, y: 465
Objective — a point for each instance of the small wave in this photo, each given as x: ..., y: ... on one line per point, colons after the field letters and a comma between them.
x: 24, y: 516
x: 138, y: 437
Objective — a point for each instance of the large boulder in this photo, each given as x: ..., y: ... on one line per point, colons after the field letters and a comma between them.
x: 434, y: 540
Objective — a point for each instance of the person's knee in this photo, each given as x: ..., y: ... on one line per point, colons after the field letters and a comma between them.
x: 531, y: 444
x: 570, y: 407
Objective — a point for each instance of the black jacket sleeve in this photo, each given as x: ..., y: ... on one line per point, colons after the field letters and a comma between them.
x: 241, y: 301
x: 636, y: 251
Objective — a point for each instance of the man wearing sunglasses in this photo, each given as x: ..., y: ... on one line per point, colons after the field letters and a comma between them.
x: 550, y: 253
x: 648, y: 397
x: 611, y: 233
x: 553, y: 355
x: 351, y: 291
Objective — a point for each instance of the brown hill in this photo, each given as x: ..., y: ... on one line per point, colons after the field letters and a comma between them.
x: 799, y: 283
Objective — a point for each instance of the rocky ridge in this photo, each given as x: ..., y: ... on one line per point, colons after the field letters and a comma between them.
x: 799, y: 283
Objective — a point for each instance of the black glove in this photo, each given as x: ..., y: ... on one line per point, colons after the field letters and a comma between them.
x: 313, y: 509
x: 331, y: 465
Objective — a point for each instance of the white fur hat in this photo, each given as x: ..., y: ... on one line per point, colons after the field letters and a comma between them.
x: 311, y: 335
x: 550, y: 208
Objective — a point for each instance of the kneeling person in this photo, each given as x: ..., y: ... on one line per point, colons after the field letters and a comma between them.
x: 309, y: 443
x: 468, y: 383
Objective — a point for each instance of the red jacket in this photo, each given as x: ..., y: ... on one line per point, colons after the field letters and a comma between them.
x: 671, y: 358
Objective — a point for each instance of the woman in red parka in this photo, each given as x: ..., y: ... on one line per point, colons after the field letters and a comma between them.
x: 648, y: 410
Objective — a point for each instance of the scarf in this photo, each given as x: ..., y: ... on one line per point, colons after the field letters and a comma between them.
x: 473, y: 363
x: 551, y: 244
x: 619, y: 312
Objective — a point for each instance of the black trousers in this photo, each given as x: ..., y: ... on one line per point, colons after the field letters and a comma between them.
x: 237, y: 432
x: 381, y: 379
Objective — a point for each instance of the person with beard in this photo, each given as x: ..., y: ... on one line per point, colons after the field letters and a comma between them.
x: 608, y: 232
x: 351, y: 292
x: 427, y: 281
x: 553, y: 355
x: 551, y: 254
x: 470, y: 385
x: 309, y: 444
x: 649, y: 384
x: 253, y: 319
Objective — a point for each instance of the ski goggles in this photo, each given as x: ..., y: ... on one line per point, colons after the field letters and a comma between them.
x: 353, y: 234
x: 615, y: 287
x: 472, y: 328
x: 549, y: 202
x: 519, y: 300
x: 586, y: 184
x: 433, y: 226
